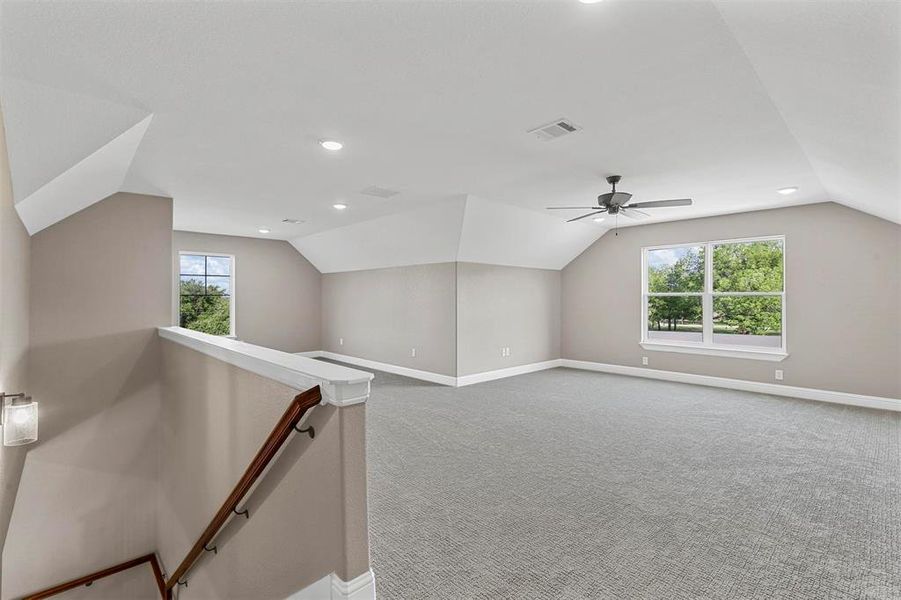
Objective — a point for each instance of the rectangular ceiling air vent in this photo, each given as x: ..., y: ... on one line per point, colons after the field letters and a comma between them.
x: 293, y: 221
x: 555, y: 129
x: 378, y: 192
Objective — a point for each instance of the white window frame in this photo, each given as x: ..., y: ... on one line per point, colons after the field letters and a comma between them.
x: 232, y: 302
x: 707, y: 346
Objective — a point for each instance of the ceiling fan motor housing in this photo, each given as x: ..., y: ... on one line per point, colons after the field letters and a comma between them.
x: 611, y: 199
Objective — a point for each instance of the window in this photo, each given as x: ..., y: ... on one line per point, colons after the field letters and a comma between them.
x: 724, y: 298
x: 205, y: 288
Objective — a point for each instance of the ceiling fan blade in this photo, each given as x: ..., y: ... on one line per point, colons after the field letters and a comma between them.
x: 572, y: 207
x: 628, y: 211
x: 597, y: 212
x: 661, y: 203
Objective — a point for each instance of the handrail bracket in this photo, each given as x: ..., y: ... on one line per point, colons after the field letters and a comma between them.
x: 309, y: 430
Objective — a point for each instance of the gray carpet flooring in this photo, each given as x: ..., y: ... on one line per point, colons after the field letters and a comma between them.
x: 571, y: 484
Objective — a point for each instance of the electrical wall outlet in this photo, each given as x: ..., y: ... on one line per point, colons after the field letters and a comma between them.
x: 505, y: 351
x: 413, y: 352
x: 644, y: 360
x: 340, y: 341
x: 778, y: 374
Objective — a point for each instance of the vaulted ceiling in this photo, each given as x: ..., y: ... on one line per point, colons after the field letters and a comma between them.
x: 220, y: 105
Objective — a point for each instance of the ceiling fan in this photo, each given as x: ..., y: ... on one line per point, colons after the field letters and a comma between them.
x: 616, y: 203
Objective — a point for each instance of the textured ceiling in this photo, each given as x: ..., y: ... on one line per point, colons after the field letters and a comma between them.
x: 724, y: 102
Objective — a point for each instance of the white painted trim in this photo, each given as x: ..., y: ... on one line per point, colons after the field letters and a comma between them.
x: 388, y: 368
x: 774, y: 389
x: 361, y: 587
x: 448, y: 380
x: 707, y: 295
x: 744, y: 240
x: 775, y: 356
x: 332, y: 587
x: 508, y: 372
x: 341, y: 386
x: 741, y: 384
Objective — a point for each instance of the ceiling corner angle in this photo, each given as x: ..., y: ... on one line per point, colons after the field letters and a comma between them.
x: 503, y: 234
x: 425, y: 235
x: 92, y: 179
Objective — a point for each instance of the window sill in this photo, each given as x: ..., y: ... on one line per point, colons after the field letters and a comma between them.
x: 770, y: 355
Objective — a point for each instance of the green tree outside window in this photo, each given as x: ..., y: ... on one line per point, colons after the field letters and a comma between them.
x: 204, y: 293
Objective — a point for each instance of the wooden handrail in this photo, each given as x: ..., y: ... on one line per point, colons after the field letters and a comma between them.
x: 282, y: 430
x: 89, y: 579
x: 299, y: 406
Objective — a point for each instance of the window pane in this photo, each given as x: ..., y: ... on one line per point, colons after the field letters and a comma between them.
x: 191, y: 264
x: 209, y: 314
x: 192, y: 284
x: 676, y: 269
x: 748, y: 267
x: 218, y: 265
x: 748, y: 321
x: 675, y: 319
x: 218, y: 286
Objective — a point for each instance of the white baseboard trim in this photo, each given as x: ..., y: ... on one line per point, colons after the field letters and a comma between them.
x: 361, y: 587
x: 774, y: 389
x: 332, y: 587
x: 741, y: 384
x: 508, y: 372
x: 448, y: 380
x: 386, y: 367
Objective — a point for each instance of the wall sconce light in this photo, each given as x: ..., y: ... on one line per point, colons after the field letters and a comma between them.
x: 19, y: 419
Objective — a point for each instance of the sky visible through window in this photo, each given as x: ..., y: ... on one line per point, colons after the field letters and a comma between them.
x: 667, y: 256
x: 744, y: 301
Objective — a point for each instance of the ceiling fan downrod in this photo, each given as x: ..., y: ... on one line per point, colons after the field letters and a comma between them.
x: 613, y: 180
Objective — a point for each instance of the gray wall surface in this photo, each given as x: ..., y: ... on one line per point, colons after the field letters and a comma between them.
x: 383, y: 313
x: 843, y: 321
x: 15, y: 252
x: 308, y: 513
x: 511, y: 307
x: 277, y: 291
x: 100, y: 285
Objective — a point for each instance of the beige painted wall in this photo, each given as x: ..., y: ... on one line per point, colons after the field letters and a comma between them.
x: 15, y: 252
x: 277, y: 290
x: 298, y: 533
x: 501, y: 307
x: 458, y: 316
x: 100, y: 284
x: 383, y: 313
x: 843, y: 274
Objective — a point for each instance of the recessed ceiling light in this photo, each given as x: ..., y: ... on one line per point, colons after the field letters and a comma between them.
x: 788, y: 190
x: 332, y: 145
x: 339, y: 206
x: 264, y: 230
x: 589, y: 1
x: 598, y: 219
